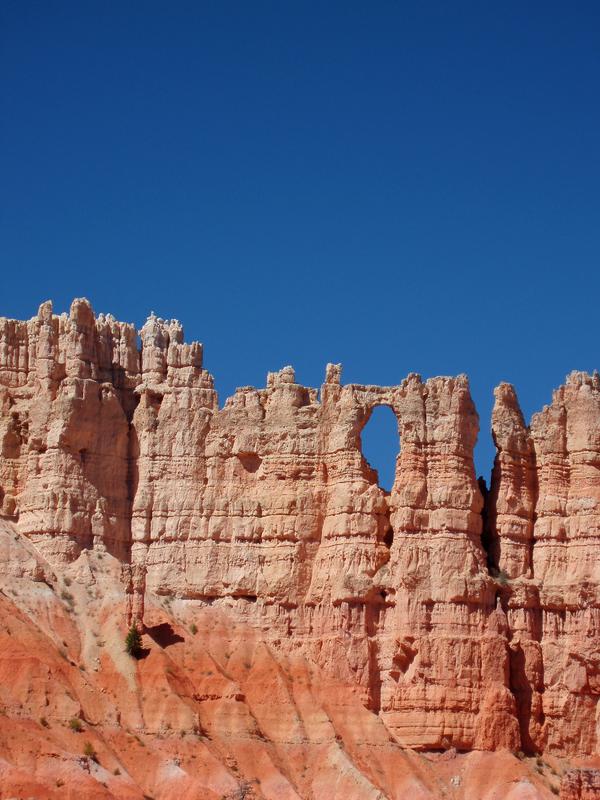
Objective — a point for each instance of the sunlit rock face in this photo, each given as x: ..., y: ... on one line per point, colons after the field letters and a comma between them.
x: 458, y: 621
x: 545, y: 533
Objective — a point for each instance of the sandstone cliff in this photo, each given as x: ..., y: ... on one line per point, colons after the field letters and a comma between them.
x: 439, y: 617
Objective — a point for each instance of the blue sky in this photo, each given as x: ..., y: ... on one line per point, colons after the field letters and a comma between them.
x: 402, y: 187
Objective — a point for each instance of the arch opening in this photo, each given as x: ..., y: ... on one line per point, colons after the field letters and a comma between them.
x: 380, y: 445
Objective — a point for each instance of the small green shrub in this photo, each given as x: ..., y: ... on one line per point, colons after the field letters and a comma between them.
x: 89, y: 752
x: 194, y: 628
x: 500, y: 576
x: 75, y: 725
x: 133, y: 642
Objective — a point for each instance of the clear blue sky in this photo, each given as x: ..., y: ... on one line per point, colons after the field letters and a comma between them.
x: 397, y: 186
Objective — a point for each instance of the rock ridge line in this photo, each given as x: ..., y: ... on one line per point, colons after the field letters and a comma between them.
x: 462, y: 617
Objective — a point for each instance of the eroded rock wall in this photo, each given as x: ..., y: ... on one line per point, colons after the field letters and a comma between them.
x: 454, y: 635
x: 545, y: 528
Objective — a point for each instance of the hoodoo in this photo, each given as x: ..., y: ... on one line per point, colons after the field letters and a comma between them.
x: 306, y: 634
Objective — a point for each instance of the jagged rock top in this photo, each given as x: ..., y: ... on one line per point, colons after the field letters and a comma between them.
x: 460, y: 620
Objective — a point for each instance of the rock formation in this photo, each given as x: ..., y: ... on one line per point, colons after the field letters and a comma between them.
x: 580, y: 784
x: 545, y: 507
x: 439, y: 617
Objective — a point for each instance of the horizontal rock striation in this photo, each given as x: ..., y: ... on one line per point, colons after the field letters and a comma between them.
x: 460, y: 620
x: 544, y: 512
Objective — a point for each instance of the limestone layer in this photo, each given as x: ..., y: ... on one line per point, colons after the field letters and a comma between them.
x: 462, y: 617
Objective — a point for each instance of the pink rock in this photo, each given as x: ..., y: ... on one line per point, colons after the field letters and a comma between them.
x: 416, y: 619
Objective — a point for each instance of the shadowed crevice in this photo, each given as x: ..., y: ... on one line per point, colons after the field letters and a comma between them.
x: 164, y: 635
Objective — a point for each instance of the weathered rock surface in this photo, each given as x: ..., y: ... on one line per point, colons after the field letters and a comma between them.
x: 335, y: 621
x: 545, y: 529
x: 580, y: 784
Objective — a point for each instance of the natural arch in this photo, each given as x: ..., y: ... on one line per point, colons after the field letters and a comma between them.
x: 380, y: 444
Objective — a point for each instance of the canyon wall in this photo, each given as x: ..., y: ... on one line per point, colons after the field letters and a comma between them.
x: 462, y: 617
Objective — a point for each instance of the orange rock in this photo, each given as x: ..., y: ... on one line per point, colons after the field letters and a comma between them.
x: 580, y: 784
x: 544, y: 513
x: 339, y: 628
